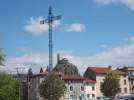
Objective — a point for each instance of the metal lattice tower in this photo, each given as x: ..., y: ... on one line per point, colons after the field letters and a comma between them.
x: 50, y: 19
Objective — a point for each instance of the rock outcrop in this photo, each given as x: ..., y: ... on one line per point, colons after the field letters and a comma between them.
x: 65, y: 67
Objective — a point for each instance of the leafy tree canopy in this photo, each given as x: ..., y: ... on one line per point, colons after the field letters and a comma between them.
x: 8, y: 87
x: 29, y: 74
x: 2, y: 58
x: 52, y: 87
x: 111, y: 85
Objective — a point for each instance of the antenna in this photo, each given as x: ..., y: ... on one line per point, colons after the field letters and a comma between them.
x: 50, y: 19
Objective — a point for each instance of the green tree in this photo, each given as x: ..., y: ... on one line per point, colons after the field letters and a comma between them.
x: 111, y: 85
x: 8, y: 87
x: 29, y: 74
x: 2, y: 57
x: 52, y: 87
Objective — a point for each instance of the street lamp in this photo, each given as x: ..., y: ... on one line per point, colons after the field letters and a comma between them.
x: 19, y: 72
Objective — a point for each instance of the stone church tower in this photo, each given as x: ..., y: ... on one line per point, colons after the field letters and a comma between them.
x: 65, y: 67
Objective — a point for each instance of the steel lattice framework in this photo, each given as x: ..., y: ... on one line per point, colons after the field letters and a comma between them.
x: 50, y: 19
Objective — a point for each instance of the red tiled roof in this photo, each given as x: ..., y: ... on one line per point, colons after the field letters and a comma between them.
x: 45, y: 73
x: 73, y: 77
x: 99, y: 70
x: 120, y: 72
x: 88, y: 80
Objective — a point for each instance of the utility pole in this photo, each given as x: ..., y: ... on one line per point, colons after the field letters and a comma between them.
x: 50, y: 19
x: 28, y: 83
x: 19, y: 76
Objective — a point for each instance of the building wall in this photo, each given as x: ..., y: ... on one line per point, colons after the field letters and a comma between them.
x: 99, y: 81
x: 131, y: 77
x: 77, y: 93
x: 89, y: 91
x: 34, y: 86
x: 89, y: 73
x: 123, y: 85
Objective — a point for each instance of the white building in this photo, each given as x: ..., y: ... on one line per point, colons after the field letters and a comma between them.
x: 78, y: 87
x: 90, y: 89
x: 75, y: 87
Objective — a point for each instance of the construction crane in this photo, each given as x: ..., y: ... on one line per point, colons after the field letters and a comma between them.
x: 50, y: 19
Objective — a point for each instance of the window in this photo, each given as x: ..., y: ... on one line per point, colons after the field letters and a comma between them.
x: 37, y: 85
x: 129, y: 72
x: 31, y: 96
x: 71, y: 81
x: 82, y: 88
x: 125, y: 90
x: 88, y: 95
x: 120, y: 90
x: 93, y: 95
x: 101, y: 84
x: 82, y: 96
x: 31, y: 86
x: 100, y: 77
x: 71, y: 88
x: 71, y: 96
x: 125, y: 82
x: 93, y: 88
x: 132, y: 73
x: 37, y: 78
x: 131, y: 82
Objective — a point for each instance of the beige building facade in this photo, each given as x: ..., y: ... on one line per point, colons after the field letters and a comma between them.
x: 97, y: 74
x: 124, y: 83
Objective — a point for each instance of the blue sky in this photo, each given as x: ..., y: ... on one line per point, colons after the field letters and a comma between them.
x: 91, y: 32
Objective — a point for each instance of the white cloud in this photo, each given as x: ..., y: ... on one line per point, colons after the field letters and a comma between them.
x: 129, y: 3
x: 34, y: 26
x: 131, y: 39
x: 117, y: 56
x: 103, y: 46
x: 23, y: 48
x: 76, y: 27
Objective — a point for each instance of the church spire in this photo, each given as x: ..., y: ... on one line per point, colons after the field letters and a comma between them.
x: 58, y: 58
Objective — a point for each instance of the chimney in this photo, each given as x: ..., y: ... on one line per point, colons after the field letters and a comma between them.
x: 109, y: 67
x: 125, y: 69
